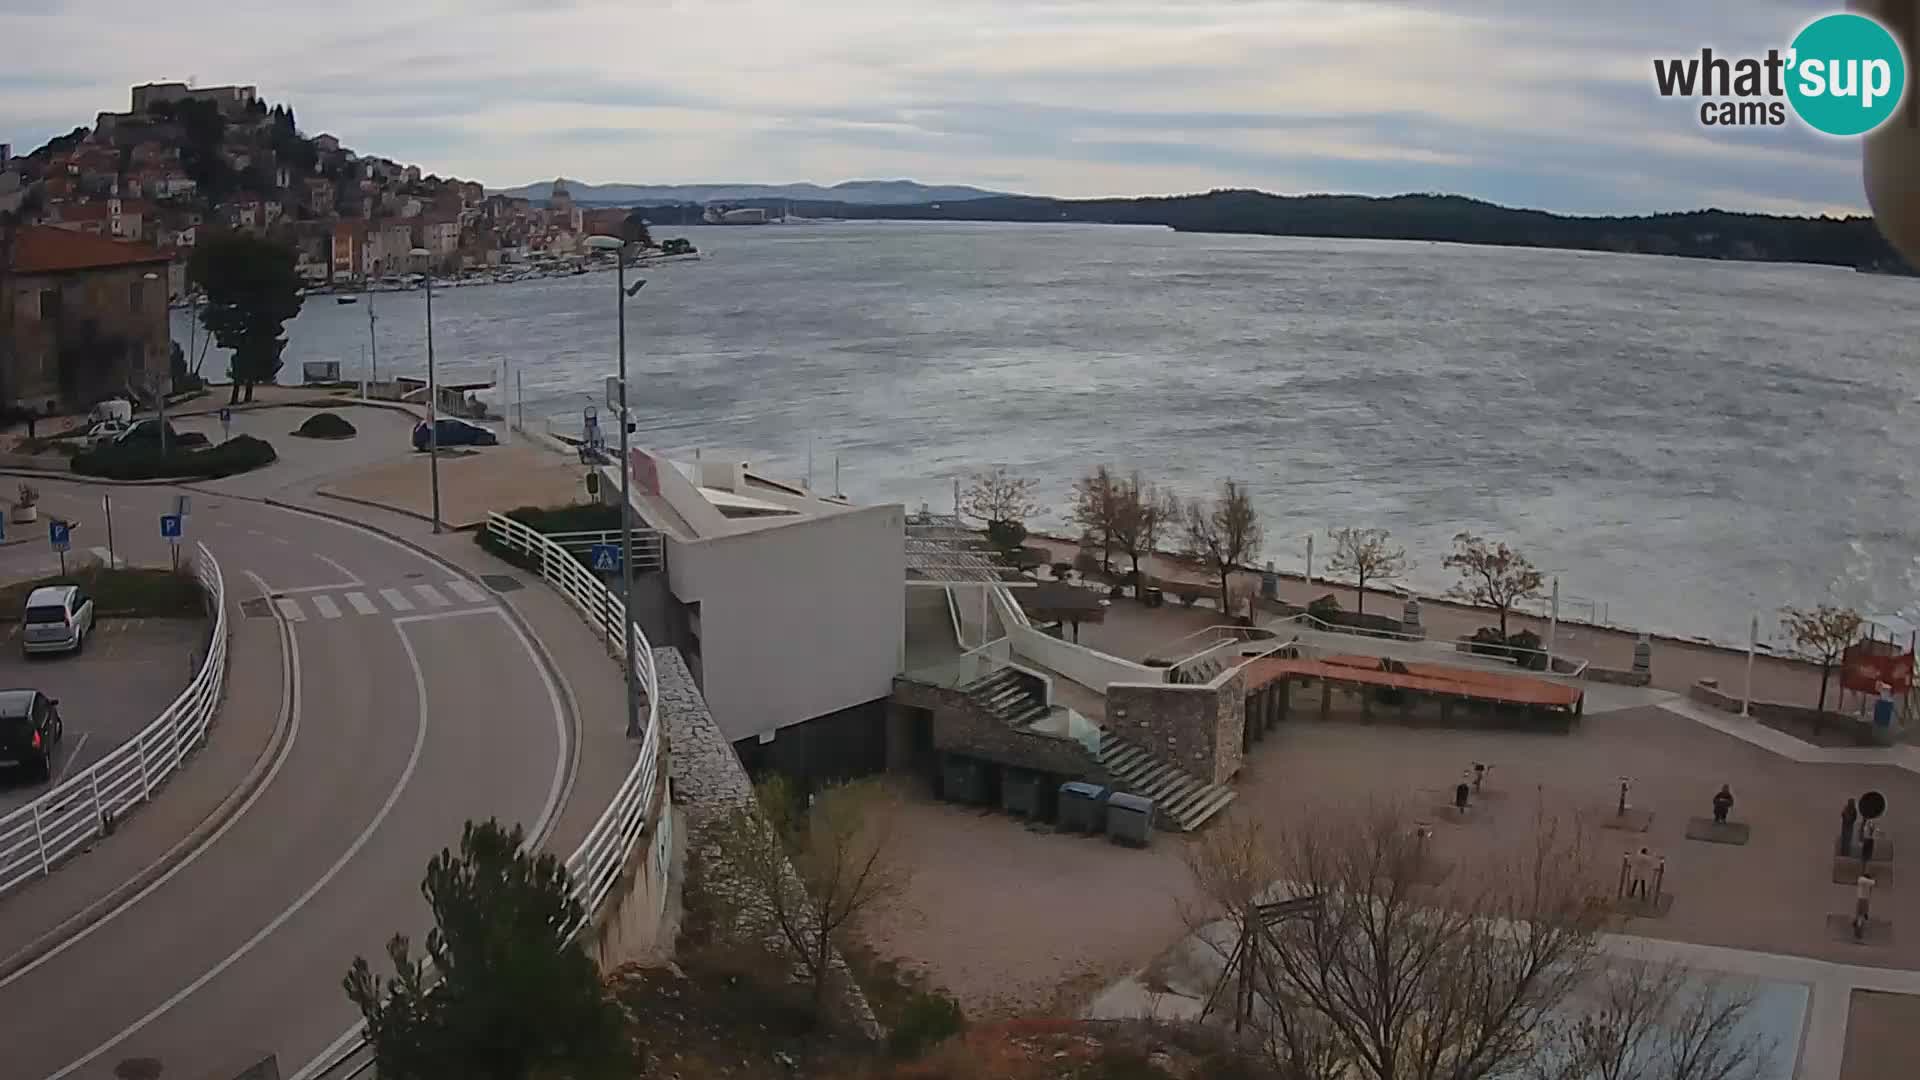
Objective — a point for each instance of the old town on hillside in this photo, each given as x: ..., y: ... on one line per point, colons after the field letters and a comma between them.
x: 98, y: 224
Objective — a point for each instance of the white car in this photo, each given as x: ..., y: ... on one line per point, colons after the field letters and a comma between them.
x: 107, y: 431
x: 58, y: 619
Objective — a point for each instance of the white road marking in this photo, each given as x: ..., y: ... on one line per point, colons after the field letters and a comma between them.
x: 466, y: 590
x: 361, y: 604
x: 432, y: 596
x: 290, y: 608
x: 396, y: 600
x: 393, y: 797
x: 352, y: 578
x: 325, y: 605
x: 290, y: 713
x: 73, y: 755
x: 335, y: 587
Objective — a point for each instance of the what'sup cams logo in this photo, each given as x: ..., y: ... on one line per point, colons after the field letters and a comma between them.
x: 1843, y: 75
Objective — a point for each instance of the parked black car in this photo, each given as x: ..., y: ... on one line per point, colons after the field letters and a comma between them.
x: 454, y: 432
x: 30, y: 729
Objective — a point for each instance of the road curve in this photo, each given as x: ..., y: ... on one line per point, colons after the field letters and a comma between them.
x: 414, y: 703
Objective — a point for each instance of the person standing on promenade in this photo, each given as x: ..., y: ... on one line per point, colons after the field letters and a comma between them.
x: 1862, y: 895
x: 1848, y: 815
x: 1722, y: 804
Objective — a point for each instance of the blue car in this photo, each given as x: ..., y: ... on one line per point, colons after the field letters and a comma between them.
x: 454, y: 432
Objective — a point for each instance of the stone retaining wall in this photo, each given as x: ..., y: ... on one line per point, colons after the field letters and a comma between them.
x: 962, y: 727
x: 709, y: 784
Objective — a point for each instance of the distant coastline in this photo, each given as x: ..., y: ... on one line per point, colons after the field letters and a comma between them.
x: 1701, y: 234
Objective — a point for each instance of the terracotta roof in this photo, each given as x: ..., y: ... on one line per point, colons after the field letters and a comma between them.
x: 42, y: 249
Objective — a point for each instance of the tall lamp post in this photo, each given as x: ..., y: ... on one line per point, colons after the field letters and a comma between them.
x: 621, y: 293
x: 433, y: 395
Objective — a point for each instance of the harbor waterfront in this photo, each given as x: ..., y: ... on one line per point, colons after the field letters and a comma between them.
x: 1689, y: 443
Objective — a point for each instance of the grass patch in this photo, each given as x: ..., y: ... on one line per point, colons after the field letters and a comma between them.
x: 122, y: 593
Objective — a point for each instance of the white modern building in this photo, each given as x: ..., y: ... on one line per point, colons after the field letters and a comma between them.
x: 786, y: 602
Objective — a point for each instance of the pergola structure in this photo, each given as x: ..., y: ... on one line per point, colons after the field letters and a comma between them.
x: 943, y: 553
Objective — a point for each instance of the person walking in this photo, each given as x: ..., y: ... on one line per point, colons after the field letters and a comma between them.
x: 1869, y: 832
x: 1862, y: 896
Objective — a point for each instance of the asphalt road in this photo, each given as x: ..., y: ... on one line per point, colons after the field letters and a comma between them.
x: 130, y: 670
x: 414, y: 705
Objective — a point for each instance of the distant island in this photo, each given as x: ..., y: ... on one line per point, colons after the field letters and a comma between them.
x: 1704, y: 234
x: 860, y: 192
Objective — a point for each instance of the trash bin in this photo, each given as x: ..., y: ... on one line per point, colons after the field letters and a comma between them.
x: 963, y: 780
x: 1152, y: 596
x: 1082, y: 807
x: 1129, y: 819
x: 1020, y: 793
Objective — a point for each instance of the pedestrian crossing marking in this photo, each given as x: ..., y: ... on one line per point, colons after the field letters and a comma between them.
x: 290, y: 609
x: 466, y: 590
x: 396, y: 599
x: 361, y: 604
x: 334, y: 606
x: 432, y: 596
x: 327, y: 608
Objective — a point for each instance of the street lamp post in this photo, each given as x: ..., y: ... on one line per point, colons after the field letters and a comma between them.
x: 621, y: 293
x: 433, y: 396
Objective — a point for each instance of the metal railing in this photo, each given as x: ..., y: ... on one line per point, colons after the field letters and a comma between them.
x: 90, y: 802
x: 594, y: 867
x: 649, y: 551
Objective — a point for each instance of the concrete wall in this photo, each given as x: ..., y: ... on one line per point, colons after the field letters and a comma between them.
x: 961, y: 727
x: 1199, y: 728
x: 1085, y: 666
x: 796, y: 621
x: 1706, y: 693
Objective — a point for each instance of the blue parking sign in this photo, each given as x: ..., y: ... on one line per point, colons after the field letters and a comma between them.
x: 169, y: 526
x: 59, y: 533
x: 604, y: 557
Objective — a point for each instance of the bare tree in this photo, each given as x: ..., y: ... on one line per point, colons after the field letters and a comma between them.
x: 1096, y: 508
x: 1224, y: 534
x: 1366, y: 555
x: 1388, y: 975
x: 1822, y: 634
x: 997, y: 496
x: 1637, y: 1019
x: 806, y: 876
x: 1143, y: 515
x: 1492, y: 575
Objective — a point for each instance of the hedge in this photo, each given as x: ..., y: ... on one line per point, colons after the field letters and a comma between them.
x: 325, y: 425
x: 580, y: 517
x: 129, y: 593
x: 118, y: 461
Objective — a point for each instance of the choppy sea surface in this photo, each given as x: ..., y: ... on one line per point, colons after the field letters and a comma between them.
x: 1686, y: 444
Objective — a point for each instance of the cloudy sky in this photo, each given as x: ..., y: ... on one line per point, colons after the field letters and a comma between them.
x: 1544, y: 103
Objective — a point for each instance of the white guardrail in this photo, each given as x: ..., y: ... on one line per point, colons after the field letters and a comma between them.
x: 594, y: 866
x: 88, y: 803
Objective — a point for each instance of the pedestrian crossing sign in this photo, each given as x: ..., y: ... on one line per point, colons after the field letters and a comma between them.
x: 604, y: 557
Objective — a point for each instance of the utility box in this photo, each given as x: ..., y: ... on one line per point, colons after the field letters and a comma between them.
x: 1083, y: 807
x: 1129, y: 819
x: 1020, y: 793
x: 963, y: 780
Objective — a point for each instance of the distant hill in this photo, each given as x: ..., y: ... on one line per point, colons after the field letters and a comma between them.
x: 864, y: 192
x: 1708, y: 234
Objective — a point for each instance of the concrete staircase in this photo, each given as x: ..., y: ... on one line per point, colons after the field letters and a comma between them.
x: 1178, y: 796
x: 1011, y: 695
x: 1199, y: 672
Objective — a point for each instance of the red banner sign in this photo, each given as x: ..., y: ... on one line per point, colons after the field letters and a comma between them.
x: 1867, y: 665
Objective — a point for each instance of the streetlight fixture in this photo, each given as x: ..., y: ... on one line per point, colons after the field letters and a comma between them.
x: 621, y: 294
x: 433, y: 396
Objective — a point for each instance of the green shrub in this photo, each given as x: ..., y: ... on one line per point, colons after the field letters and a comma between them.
x: 926, y: 1020
x: 1326, y: 609
x: 1086, y: 562
x: 580, y: 517
x: 325, y: 425
x: 141, y: 593
x: 1006, y: 535
x: 144, y: 461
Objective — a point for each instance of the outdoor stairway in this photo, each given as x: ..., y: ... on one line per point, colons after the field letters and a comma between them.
x: 1177, y: 796
x: 1010, y: 695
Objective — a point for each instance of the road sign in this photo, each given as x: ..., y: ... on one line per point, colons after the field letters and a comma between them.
x: 60, y: 534
x: 604, y: 557
x: 170, y: 526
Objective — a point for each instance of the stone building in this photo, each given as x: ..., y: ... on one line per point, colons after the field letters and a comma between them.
x: 81, y: 316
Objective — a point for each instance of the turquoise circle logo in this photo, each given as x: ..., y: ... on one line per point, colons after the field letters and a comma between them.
x: 1848, y: 74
